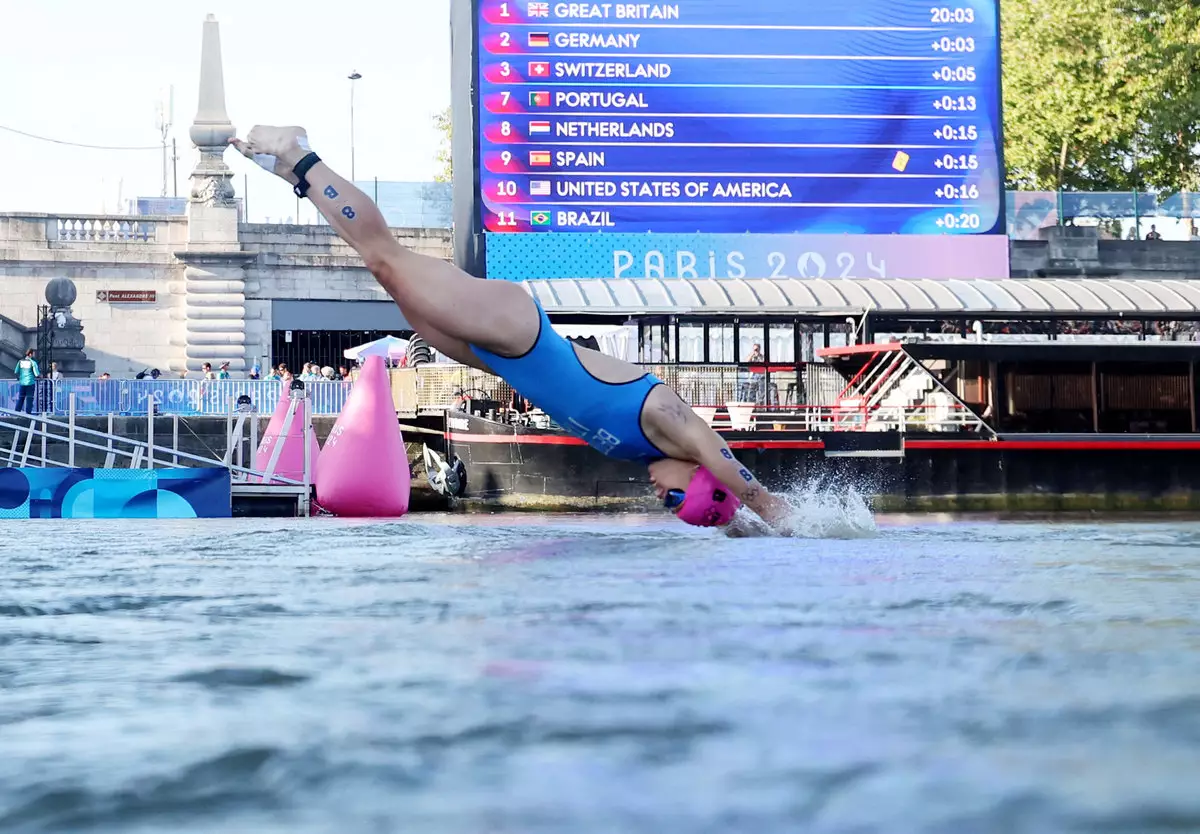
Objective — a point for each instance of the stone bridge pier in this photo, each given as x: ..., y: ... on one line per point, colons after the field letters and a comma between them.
x: 215, y: 264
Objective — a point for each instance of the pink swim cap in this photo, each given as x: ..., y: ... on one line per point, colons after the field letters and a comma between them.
x: 707, y: 502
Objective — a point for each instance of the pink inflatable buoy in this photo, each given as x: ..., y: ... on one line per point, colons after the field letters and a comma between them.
x: 363, y: 470
x: 291, y: 458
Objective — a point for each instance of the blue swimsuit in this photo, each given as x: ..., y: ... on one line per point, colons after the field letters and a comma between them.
x: 608, y: 415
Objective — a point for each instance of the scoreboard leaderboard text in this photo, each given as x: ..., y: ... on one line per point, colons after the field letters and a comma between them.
x: 719, y: 118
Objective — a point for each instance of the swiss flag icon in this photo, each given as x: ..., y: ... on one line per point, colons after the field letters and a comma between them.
x: 539, y: 69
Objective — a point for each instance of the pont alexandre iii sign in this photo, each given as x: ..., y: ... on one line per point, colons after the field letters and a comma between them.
x: 126, y: 296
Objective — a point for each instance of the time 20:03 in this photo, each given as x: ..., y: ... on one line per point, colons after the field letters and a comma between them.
x: 943, y: 14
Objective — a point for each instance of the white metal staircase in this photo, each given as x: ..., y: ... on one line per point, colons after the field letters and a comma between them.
x: 894, y: 391
x: 44, y: 441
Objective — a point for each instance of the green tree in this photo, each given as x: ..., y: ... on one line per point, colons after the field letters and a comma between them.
x: 1070, y: 96
x: 1167, y: 145
x: 1102, y: 95
x: 445, y: 126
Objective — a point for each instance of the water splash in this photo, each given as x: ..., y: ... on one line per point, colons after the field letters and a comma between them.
x: 819, y: 510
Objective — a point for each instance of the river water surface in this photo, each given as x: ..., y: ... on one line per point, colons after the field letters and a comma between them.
x: 528, y: 674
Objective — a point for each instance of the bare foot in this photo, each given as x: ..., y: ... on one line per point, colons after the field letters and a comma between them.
x: 277, y: 149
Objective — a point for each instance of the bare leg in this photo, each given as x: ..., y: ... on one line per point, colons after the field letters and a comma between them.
x: 496, y: 315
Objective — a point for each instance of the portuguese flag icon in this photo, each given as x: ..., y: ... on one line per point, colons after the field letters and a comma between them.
x: 539, y: 99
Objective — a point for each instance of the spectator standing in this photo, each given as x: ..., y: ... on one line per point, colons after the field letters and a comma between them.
x: 55, y: 373
x: 27, y: 372
x: 224, y: 372
x: 758, y: 380
x: 1153, y: 234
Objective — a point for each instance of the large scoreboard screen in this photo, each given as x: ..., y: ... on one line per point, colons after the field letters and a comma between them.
x: 783, y: 127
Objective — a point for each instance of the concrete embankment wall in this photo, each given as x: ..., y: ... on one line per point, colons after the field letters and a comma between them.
x: 986, y: 478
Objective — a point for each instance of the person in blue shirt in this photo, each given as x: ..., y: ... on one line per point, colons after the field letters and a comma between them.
x: 27, y: 372
x: 498, y: 327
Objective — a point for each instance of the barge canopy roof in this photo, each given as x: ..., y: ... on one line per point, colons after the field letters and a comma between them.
x: 1011, y: 297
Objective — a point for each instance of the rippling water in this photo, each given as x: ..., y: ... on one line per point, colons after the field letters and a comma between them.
x: 525, y: 674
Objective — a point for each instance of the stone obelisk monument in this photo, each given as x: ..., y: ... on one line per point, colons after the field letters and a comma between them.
x: 215, y: 308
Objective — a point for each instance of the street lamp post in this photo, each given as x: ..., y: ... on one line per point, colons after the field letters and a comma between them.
x: 353, y: 76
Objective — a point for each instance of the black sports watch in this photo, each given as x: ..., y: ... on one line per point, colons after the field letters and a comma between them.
x: 303, y: 167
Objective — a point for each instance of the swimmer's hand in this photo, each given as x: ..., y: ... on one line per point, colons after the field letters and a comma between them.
x: 747, y: 526
x: 275, y: 149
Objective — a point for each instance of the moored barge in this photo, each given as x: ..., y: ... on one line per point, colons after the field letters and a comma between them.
x: 938, y: 406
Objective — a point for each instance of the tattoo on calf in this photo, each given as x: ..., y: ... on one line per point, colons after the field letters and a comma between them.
x: 330, y: 192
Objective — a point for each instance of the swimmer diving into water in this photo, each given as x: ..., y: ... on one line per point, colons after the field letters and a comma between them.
x: 498, y: 327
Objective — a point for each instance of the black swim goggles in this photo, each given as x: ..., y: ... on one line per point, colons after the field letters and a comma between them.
x: 673, y: 500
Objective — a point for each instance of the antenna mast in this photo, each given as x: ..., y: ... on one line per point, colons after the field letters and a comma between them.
x: 166, y: 116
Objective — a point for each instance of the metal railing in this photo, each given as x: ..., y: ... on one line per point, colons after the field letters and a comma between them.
x: 423, y: 390
x: 60, y: 442
x: 434, y: 388
x: 191, y: 397
x: 1124, y: 214
x: 133, y: 453
x: 945, y: 416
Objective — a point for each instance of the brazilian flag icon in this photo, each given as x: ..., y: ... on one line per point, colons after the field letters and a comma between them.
x: 539, y: 218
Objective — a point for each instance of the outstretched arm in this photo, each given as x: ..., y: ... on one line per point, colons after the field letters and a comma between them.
x: 710, y: 451
x: 675, y: 429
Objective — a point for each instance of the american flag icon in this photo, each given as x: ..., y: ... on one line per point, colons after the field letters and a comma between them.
x: 538, y: 9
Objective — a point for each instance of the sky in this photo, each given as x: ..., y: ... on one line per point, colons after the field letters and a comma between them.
x: 94, y: 73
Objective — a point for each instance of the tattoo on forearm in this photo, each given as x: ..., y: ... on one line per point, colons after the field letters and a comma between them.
x: 728, y: 455
x: 347, y: 211
x: 752, y: 495
x: 747, y: 475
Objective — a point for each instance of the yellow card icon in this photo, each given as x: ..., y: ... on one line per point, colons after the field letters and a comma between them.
x: 901, y: 161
